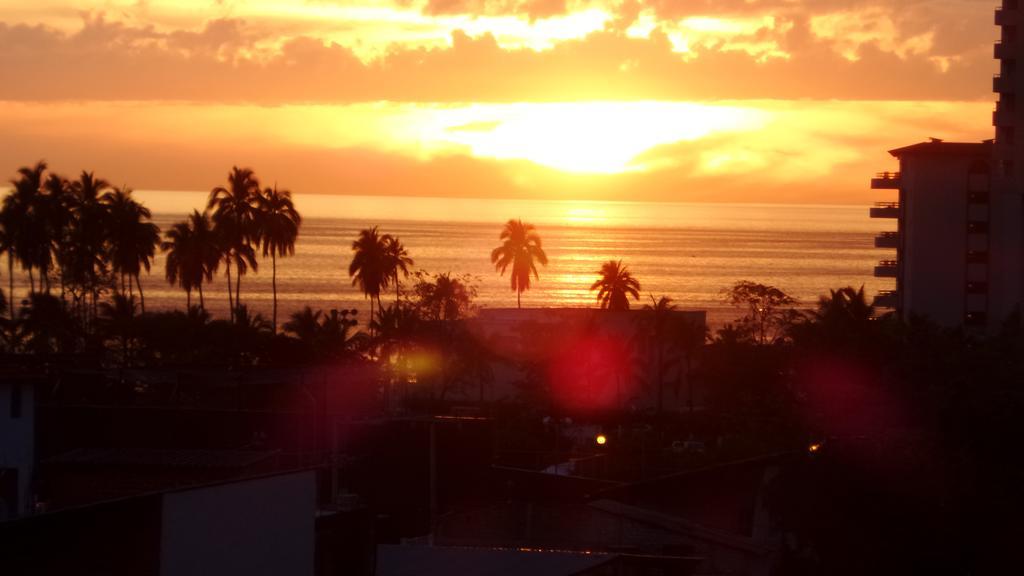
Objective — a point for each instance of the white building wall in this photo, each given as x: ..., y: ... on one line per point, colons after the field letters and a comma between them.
x: 258, y: 527
x: 17, y: 442
x: 935, y: 239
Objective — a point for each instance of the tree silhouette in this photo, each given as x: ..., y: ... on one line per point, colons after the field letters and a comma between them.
x: 398, y: 261
x: 45, y: 326
x: 278, y: 229
x: 7, y: 247
x: 615, y: 285
x: 304, y: 324
x: 207, y: 247
x: 323, y: 335
x: 22, y: 218
x: 768, y: 310
x: 443, y: 297
x: 87, y: 239
x: 133, y: 239
x: 182, y: 267
x: 370, y: 266
x: 521, y: 248
x: 60, y: 202
x: 234, y: 218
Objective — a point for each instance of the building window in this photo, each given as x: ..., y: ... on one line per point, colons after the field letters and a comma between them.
x: 977, y: 257
x: 978, y: 197
x: 16, y: 401
x: 977, y: 287
x: 977, y: 227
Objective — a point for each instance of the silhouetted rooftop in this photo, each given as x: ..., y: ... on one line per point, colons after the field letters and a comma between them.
x: 161, y: 458
x: 938, y: 147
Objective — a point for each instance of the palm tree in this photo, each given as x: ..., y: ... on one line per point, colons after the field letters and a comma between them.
x: 369, y: 268
x: 193, y: 254
x: 336, y: 337
x: 615, y: 285
x: 60, y: 202
x: 243, y: 257
x: 305, y: 325
x: 88, y: 235
x: 278, y: 229
x: 182, y: 267
x: 206, y: 248
x: 7, y: 246
x: 520, y: 247
x: 45, y: 325
x: 846, y: 306
x: 234, y: 216
x: 844, y: 319
x: 20, y: 216
x: 133, y: 239
x: 398, y: 261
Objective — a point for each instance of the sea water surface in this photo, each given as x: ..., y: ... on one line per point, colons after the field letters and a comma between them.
x: 689, y: 252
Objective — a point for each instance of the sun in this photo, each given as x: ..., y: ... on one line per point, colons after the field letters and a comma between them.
x: 589, y: 137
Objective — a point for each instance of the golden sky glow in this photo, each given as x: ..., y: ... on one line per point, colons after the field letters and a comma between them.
x: 775, y: 100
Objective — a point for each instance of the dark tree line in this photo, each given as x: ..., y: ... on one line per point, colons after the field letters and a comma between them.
x: 905, y: 433
x: 84, y: 245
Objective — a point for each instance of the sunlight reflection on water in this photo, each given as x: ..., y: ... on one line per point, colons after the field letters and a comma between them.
x: 690, y: 252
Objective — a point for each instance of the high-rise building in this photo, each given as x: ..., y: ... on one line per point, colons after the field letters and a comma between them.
x: 959, y: 257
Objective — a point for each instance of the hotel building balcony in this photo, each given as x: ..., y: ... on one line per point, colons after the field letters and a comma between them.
x: 1002, y: 84
x: 886, y: 269
x: 1004, y: 50
x: 886, y: 299
x: 886, y: 181
x: 1002, y: 116
x: 885, y: 210
x: 887, y: 240
x: 1005, y: 17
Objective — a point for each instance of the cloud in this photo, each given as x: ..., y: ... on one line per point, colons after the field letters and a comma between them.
x: 233, y: 60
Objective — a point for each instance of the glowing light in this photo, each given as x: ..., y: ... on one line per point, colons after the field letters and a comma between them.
x: 601, y: 439
x: 588, y: 137
x: 814, y: 448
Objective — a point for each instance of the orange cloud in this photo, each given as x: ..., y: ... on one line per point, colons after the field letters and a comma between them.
x: 232, y: 61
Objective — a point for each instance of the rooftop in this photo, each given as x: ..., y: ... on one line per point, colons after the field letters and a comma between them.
x: 161, y: 458
x: 939, y: 147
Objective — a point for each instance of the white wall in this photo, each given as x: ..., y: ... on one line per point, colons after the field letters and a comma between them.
x: 17, y: 441
x: 264, y: 526
x: 935, y: 239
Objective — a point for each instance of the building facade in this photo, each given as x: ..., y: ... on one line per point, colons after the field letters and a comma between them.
x: 959, y: 251
x: 17, y: 446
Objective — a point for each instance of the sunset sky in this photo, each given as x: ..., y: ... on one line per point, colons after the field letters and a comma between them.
x: 681, y: 100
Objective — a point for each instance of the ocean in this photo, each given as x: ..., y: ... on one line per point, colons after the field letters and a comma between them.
x: 689, y: 252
